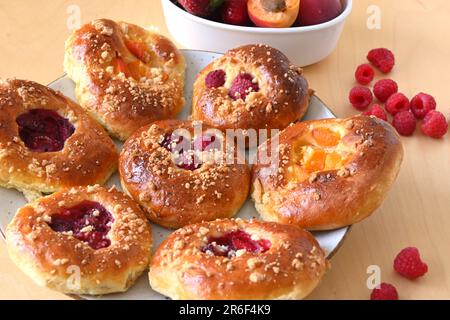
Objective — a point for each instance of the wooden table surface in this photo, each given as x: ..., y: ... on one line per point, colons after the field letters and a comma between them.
x: 417, y: 210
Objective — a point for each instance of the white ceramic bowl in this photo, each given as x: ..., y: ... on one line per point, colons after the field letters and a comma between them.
x: 302, y: 45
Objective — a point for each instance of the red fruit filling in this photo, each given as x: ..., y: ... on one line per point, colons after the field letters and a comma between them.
x: 44, y: 130
x: 171, y: 143
x: 382, y: 58
x: 88, y: 221
x: 185, y: 157
x: 207, y: 141
x: 215, y: 79
x: 229, y: 243
x: 421, y: 104
x: 242, y: 85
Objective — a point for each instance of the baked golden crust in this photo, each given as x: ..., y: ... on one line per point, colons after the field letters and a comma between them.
x: 126, y: 77
x: 51, y: 258
x: 332, y: 173
x: 172, y: 196
x: 88, y: 157
x: 290, y: 269
x: 283, y: 95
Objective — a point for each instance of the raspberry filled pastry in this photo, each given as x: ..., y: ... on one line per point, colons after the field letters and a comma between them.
x: 126, y: 76
x: 237, y: 259
x: 84, y: 240
x: 331, y: 173
x: 181, y: 173
x: 250, y: 87
x: 47, y: 142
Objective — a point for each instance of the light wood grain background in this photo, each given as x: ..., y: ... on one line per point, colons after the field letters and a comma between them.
x: 415, y: 213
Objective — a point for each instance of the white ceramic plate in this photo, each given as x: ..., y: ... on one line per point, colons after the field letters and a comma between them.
x: 196, y: 60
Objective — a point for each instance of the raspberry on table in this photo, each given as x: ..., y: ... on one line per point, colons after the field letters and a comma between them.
x: 364, y: 74
x: 434, y: 124
x: 396, y: 103
x: 409, y: 264
x: 421, y: 104
x: 360, y: 98
x: 385, y: 88
x: 377, y: 111
x: 385, y: 291
x: 405, y: 123
x: 215, y: 79
x: 382, y: 58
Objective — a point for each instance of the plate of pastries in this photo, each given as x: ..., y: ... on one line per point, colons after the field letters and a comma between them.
x: 120, y: 180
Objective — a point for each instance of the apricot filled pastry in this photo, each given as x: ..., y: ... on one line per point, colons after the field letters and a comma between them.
x: 47, y: 142
x: 330, y: 173
x: 84, y: 240
x: 250, y: 87
x: 181, y: 175
x: 237, y: 260
x: 126, y: 76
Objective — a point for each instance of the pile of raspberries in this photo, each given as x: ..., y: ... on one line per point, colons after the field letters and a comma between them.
x: 409, y: 265
x: 405, y: 113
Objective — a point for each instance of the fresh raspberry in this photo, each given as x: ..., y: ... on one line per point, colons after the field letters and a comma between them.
x: 215, y: 79
x: 409, y: 264
x: 386, y: 291
x: 235, y: 12
x: 396, y: 103
x: 360, y: 97
x: 242, y: 85
x: 421, y: 104
x: 385, y: 88
x: 382, y: 58
x: 201, y: 8
x: 405, y: 123
x: 434, y: 124
x: 377, y: 111
x: 364, y: 74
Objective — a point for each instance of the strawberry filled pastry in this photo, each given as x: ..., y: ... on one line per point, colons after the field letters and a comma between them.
x: 236, y: 259
x: 181, y: 175
x: 48, y: 142
x: 84, y: 240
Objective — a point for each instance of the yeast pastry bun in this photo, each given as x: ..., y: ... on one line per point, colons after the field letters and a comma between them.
x: 332, y: 173
x: 47, y: 142
x: 183, y: 179
x: 126, y: 76
x: 250, y: 87
x: 84, y: 240
x: 236, y: 259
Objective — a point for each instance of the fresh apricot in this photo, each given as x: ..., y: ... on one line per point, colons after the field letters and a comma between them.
x: 273, y: 13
